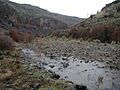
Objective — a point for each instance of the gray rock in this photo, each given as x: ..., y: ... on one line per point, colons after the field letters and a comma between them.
x: 35, y: 86
x: 52, y: 66
x: 65, y: 64
x: 81, y: 87
x: 55, y: 76
x: 64, y: 58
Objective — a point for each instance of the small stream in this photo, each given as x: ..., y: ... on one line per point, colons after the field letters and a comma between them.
x: 94, y: 75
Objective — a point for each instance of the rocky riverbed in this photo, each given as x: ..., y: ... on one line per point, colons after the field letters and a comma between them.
x: 91, y: 64
x: 19, y: 72
x: 94, y: 74
x: 109, y: 54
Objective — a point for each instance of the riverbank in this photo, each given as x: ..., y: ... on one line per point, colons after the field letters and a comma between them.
x: 18, y: 75
x: 109, y: 54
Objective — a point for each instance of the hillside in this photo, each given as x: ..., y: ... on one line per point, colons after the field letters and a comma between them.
x: 110, y: 14
x: 105, y: 25
x: 31, y: 18
x: 36, y: 11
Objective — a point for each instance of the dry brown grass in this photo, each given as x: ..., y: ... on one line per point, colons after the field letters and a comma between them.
x: 21, y: 36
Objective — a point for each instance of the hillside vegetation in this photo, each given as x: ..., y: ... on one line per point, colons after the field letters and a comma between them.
x: 105, y: 25
x: 32, y: 19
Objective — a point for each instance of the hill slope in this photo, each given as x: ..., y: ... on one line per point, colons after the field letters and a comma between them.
x: 32, y: 18
x: 105, y: 25
x: 110, y: 14
x: 36, y: 11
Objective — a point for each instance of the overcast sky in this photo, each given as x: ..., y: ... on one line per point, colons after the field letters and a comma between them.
x: 79, y: 8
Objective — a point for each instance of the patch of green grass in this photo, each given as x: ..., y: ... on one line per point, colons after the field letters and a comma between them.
x: 51, y: 87
x: 38, y: 74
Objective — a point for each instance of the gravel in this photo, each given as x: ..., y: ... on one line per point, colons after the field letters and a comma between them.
x: 84, y: 50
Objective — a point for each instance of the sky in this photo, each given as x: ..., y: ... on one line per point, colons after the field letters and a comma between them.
x: 78, y: 8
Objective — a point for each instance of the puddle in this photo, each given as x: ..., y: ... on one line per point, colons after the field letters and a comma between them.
x: 92, y: 74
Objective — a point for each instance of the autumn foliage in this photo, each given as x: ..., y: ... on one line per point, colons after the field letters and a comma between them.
x: 74, y: 34
x: 20, y: 36
x: 82, y: 33
x: 6, y: 43
x: 116, y: 35
x: 104, y: 33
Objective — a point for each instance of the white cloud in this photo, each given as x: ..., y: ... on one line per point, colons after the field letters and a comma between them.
x: 79, y: 8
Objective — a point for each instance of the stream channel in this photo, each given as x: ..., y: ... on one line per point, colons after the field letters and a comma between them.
x: 93, y: 74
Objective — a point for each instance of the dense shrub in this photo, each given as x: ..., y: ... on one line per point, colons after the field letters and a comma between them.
x: 102, y: 32
x: 59, y: 34
x: 105, y: 33
x: 116, y: 35
x: 74, y: 34
x: 6, y: 43
x: 20, y: 36
x: 80, y: 33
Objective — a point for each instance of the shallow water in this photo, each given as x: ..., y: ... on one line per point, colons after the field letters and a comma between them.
x: 92, y: 74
